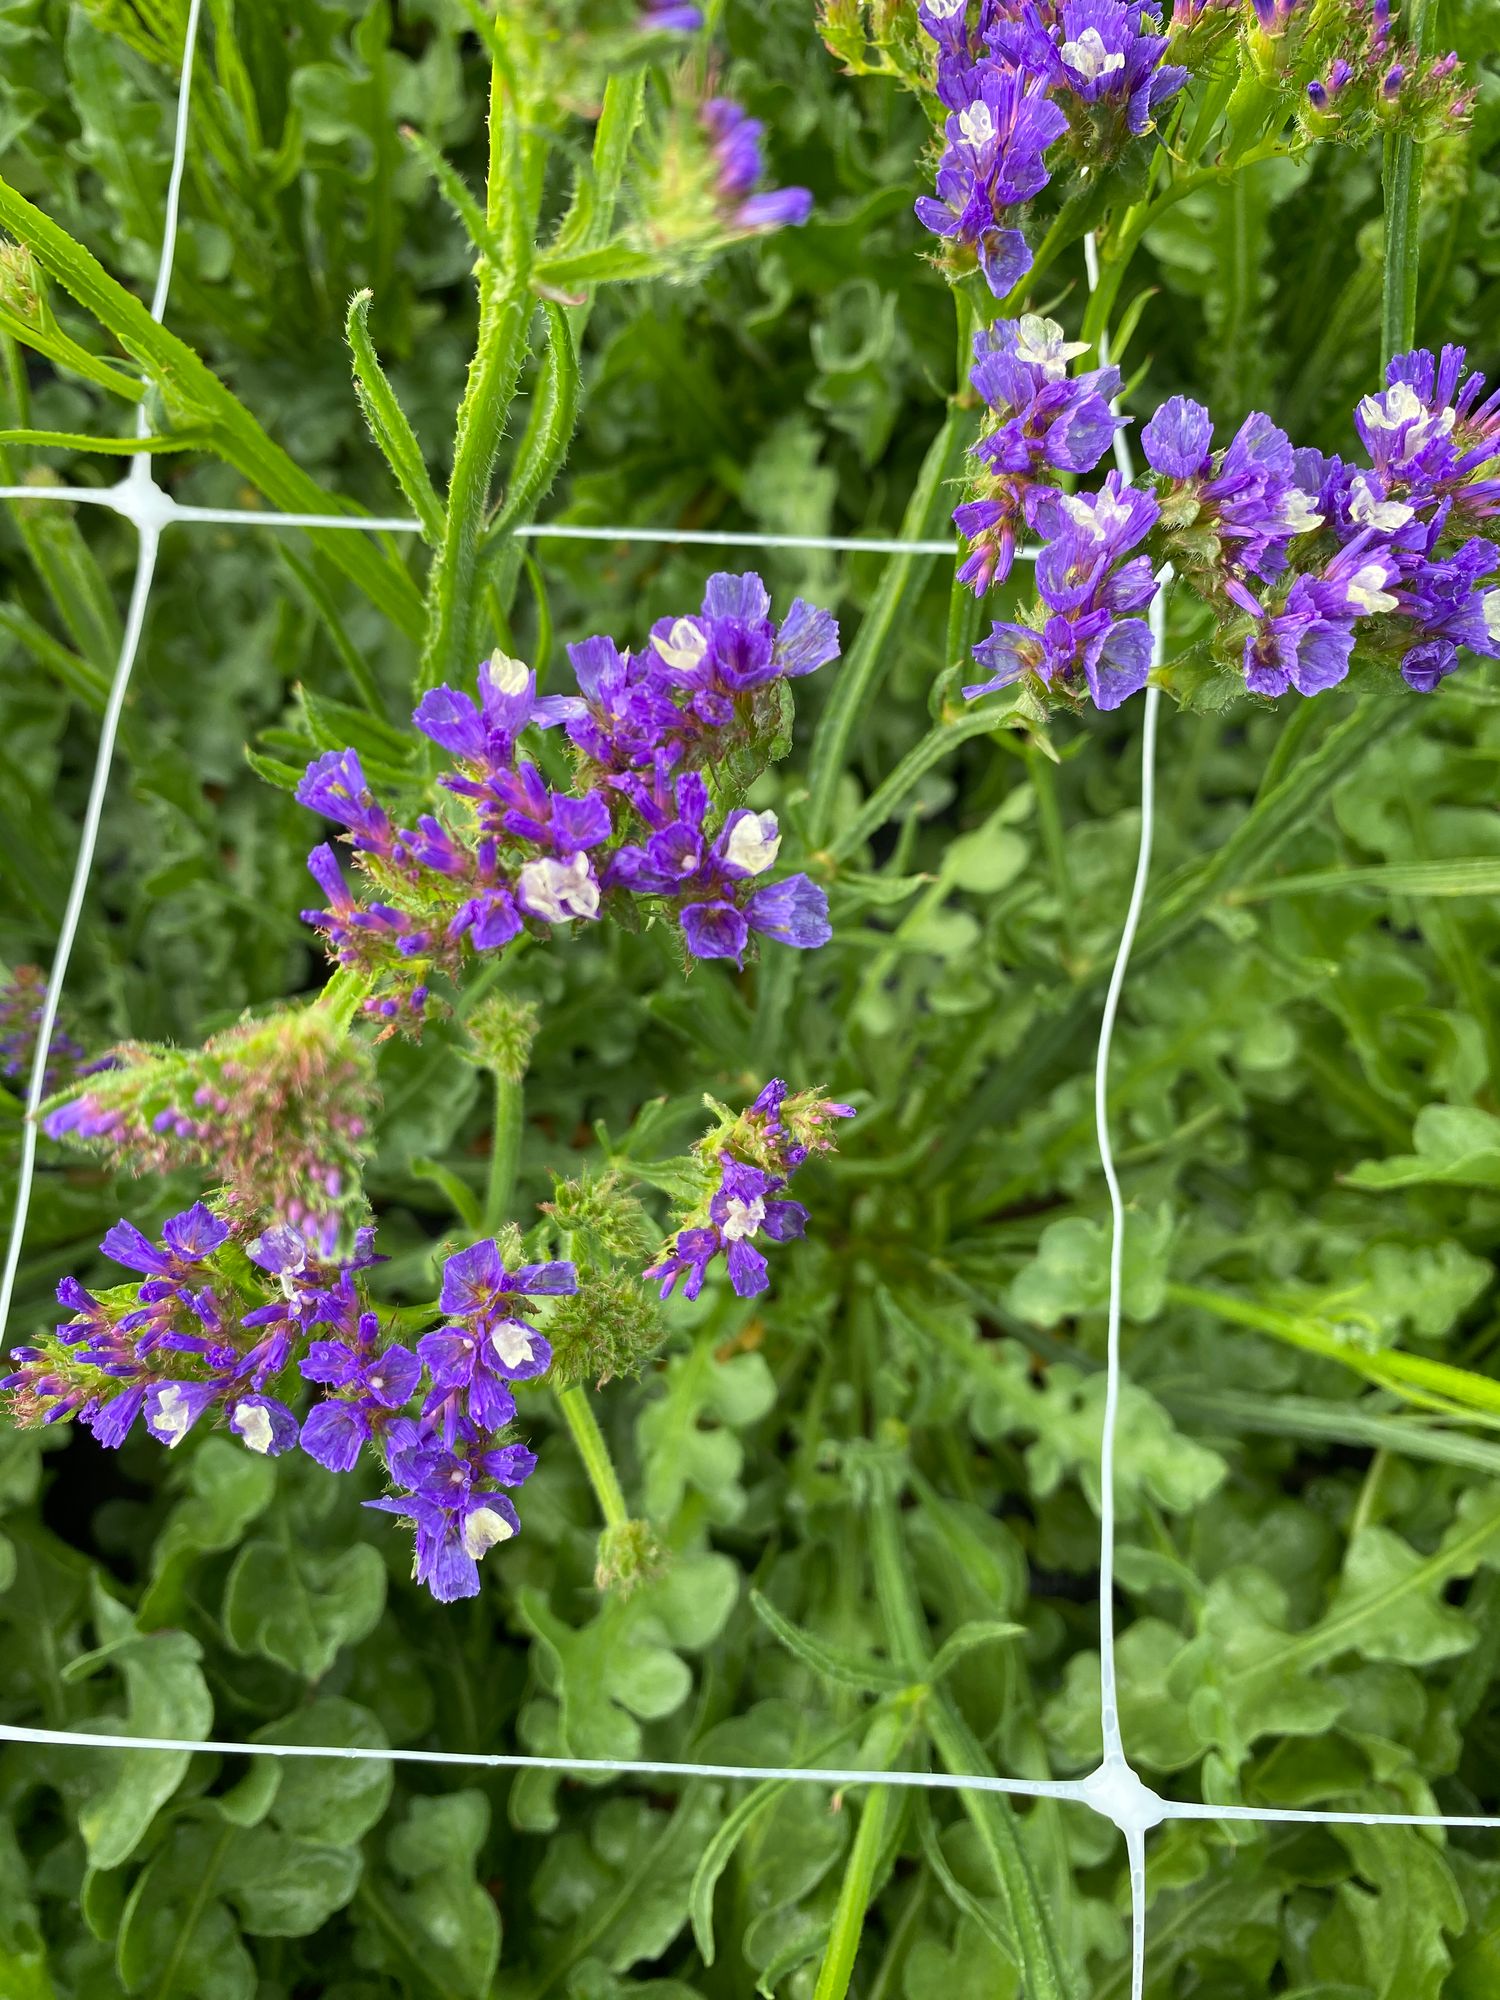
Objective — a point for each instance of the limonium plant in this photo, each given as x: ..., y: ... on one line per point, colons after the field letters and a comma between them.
x: 567, y: 1221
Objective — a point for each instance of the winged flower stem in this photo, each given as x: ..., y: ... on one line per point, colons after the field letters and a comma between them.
x: 1401, y: 186
x: 505, y: 309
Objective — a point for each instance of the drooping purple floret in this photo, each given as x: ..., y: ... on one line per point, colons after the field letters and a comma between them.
x: 334, y: 785
x: 735, y: 138
x: 742, y: 1206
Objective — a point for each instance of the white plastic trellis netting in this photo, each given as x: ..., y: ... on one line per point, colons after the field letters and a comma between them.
x: 1114, y: 1790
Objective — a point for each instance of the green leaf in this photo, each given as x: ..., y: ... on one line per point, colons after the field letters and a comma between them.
x: 387, y: 420
x: 1456, y: 1144
x: 434, y: 1921
x: 166, y: 1695
x: 1070, y: 1272
x: 228, y: 1487
x: 841, y: 1664
x: 298, y: 1607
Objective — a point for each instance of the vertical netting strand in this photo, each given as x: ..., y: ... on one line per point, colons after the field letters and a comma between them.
x: 138, y: 487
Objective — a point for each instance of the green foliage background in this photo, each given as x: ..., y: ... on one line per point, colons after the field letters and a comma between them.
x: 879, y: 1484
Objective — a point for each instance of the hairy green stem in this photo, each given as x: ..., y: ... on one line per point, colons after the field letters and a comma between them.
x: 592, y: 1449
x: 505, y: 1151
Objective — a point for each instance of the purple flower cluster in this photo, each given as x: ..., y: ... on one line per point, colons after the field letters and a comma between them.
x: 524, y: 855
x: 1013, y: 81
x: 1089, y: 585
x: 746, y: 1162
x: 1041, y: 420
x: 1301, y: 556
x: 1318, y: 552
x: 1368, y: 77
x: 734, y: 146
x: 194, y: 1336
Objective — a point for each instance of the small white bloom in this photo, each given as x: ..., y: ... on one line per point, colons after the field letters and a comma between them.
x: 1365, y: 589
x: 1491, y: 610
x: 944, y: 10
x: 754, y: 842
x: 1087, y: 57
x: 742, y: 1218
x: 1099, y: 516
x: 558, y: 891
x: 253, y: 1424
x: 1392, y: 408
x: 482, y: 1529
x: 1040, y: 343
x: 1370, y: 511
x: 1298, y: 514
x: 507, y: 676
x: 172, y: 1416
x: 512, y: 1342
x: 683, y: 647
x: 976, y: 124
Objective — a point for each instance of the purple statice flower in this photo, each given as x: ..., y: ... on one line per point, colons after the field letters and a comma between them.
x: 488, y: 1342
x: 698, y: 680
x: 1442, y: 600
x: 457, y: 1508
x: 371, y: 1383
x: 734, y: 143
x: 784, y: 1128
x: 630, y: 721
x: 334, y: 785
x: 707, y: 881
x: 483, y: 735
x: 1274, y: 16
x: 172, y: 1408
x: 1433, y: 433
x: 1096, y: 52
x: 1000, y: 125
x: 947, y: 22
x: 1298, y: 647
x: 742, y: 1207
x: 1086, y: 589
x: 1043, y: 420
x: 1232, y: 514
x: 732, y: 646
x: 265, y: 1425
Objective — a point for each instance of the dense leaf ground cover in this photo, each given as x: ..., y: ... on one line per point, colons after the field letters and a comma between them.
x: 872, y: 1491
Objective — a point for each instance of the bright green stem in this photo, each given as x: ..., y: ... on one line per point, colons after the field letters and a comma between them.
x: 859, y: 1886
x: 1402, y: 185
x: 1433, y: 1385
x: 1044, y: 1974
x: 594, y: 1452
x: 505, y: 1152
